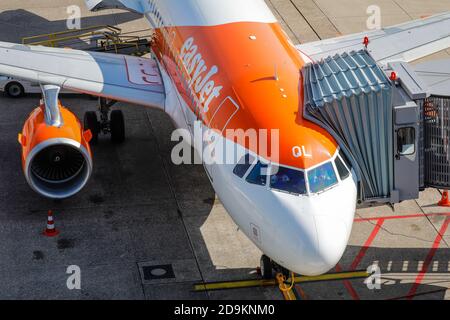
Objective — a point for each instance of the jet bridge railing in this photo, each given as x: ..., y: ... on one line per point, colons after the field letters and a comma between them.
x: 436, y: 139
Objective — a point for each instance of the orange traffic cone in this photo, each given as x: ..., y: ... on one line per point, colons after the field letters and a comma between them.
x: 445, y: 202
x: 50, y: 231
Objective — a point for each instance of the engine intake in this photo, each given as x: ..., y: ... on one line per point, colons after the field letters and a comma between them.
x: 57, y: 161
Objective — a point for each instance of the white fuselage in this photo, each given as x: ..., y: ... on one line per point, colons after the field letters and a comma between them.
x: 306, y: 233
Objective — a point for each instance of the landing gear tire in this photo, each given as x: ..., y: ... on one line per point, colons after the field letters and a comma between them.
x: 117, y: 124
x: 14, y: 90
x: 285, y: 272
x: 91, y: 123
x: 266, y: 267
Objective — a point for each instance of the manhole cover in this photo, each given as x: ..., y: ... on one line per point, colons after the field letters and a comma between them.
x: 158, y: 272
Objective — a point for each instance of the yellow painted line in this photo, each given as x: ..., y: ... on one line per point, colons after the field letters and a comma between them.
x: 273, y: 282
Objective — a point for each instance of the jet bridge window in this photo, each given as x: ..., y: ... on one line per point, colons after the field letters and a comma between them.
x: 322, y: 177
x: 406, y: 141
x: 258, y: 175
x: 288, y: 180
x: 243, y: 165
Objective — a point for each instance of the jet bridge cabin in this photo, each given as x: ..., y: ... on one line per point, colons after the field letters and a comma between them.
x: 392, y: 123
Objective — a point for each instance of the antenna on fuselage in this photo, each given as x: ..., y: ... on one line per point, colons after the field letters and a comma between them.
x: 276, y: 73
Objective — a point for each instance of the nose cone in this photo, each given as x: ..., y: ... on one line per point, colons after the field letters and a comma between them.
x: 318, y: 251
x: 332, y: 238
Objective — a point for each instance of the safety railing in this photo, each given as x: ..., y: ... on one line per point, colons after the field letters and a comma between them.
x: 58, y: 39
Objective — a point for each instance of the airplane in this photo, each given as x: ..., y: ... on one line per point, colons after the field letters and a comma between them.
x: 219, y: 65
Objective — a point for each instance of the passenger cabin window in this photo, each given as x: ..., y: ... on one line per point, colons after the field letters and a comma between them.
x: 322, y: 177
x: 258, y: 175
x: 243, y: 165
x: 342, y: 170
x: 288, y: 180
x: 406, y: 141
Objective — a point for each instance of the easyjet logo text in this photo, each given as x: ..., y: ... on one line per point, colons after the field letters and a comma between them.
x: 200, y: 75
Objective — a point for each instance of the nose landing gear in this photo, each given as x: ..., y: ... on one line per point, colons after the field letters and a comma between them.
x: 111, y: 122
x: 268, y: 267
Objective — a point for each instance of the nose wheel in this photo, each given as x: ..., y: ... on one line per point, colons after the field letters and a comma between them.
x: 268, y: 268
x: 108, y: 122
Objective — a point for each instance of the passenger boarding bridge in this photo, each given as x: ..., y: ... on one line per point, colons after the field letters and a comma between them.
x: 393, y: 124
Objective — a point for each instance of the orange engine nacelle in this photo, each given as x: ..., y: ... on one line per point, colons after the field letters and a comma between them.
x: 56, y: 159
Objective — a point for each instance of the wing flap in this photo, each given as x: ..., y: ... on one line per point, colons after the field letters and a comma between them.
x: 123, y: 78
x: 404, y: 42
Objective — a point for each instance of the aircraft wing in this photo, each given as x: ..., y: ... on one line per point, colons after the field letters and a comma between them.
x: 404, y: 42
x: 117, y: 77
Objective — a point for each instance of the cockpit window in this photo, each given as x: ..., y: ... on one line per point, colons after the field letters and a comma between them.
x: 288, y: 180
x: 258, y: 175
x: 342, y: 170
x: 344, y: 157
x: 243, y: 165
x: 322, y: 177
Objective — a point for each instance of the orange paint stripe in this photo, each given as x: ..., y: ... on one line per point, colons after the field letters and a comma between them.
x: 429, y: 258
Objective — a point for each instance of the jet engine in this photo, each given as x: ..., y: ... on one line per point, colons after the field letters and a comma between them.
x: 56, y: 157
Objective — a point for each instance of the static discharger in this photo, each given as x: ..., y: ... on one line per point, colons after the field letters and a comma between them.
x: 50, y: 231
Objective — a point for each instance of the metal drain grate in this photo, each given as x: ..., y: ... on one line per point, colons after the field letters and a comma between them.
x: 158, y: 272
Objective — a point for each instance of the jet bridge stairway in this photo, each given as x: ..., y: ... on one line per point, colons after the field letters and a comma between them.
x: 393, y: 123
x: 101, y: 38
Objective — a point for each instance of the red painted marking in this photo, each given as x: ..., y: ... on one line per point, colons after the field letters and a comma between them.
x: 348, y: 285
x: 360, y: 256
x: 301, y: 292
x: 428, y: 259
x: 367, y: 244
x: 418, y: 215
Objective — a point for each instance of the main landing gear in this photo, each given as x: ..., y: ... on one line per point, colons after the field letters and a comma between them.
x: 111, y: 122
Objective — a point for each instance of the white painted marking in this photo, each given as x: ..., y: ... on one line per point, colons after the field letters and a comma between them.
x: 405, y: 266
x: 447, y: 294
x: 389, y: 266
x: 420, y: 266
x: 435, y: 266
